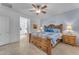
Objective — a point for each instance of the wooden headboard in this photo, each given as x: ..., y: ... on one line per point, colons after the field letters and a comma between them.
x: 60, y: 26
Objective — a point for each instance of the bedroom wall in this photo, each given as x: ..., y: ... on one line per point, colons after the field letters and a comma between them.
x: 67, y: 17
x: 14, y: 20
x: 4, y: 30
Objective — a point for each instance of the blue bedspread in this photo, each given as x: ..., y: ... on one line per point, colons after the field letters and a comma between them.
x: 53, y: 36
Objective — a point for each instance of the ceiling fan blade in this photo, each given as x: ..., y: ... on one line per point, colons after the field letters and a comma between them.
x: 44, y: 6
x: 38, y: 6
x: 34, y: 5
x: 31, y: 10
x: 43, y: 12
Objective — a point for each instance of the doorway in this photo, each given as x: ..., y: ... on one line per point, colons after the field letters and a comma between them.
x: 24, y: 30
x: 23, y: 27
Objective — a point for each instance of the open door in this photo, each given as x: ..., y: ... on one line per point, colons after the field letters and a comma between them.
x: 23, y: 27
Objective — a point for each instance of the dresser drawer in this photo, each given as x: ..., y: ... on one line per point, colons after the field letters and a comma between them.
x: 72, y: 37
x: 66, y: 40
x: 69, y: 39
x: 72, y: 41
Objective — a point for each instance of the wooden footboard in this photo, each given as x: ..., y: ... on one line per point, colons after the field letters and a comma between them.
x: 42, y: 43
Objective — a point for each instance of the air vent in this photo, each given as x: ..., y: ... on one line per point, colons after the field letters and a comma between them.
x: 7, y: 5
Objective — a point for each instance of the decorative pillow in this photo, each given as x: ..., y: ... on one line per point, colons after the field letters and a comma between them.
x: 48, y: 30
x: 56, y: 30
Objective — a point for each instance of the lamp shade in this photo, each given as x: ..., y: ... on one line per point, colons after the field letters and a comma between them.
x: 38, y: 29
x: 69, y: 28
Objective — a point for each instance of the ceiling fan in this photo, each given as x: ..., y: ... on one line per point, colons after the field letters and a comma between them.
x: 38, y: 9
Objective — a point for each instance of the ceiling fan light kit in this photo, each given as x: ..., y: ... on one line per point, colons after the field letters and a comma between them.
x: 38, y: 9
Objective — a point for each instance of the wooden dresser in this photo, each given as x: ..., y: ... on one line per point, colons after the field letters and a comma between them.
x: 69, y: 39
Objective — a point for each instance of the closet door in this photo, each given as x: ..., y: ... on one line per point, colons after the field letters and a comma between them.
x: 4, y: 30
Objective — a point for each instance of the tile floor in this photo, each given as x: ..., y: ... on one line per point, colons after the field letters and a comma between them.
x: 24, y: 48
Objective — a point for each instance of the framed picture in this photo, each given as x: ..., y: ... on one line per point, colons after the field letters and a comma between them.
x: 34, y: 26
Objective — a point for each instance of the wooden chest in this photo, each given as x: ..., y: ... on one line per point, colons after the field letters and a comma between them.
x: 69, y: 39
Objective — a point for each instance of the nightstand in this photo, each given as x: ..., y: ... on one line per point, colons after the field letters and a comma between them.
x: 69, y: 39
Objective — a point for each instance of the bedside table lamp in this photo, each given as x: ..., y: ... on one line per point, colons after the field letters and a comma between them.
x: 69, y: 28
x: 69, y: 36
x: 39, y: 30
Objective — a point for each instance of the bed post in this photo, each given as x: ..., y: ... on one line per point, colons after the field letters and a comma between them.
x: 49, y: 46
x: 29, y: 37
x: 61, y: 27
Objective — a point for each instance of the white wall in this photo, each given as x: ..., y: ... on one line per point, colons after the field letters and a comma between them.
x: 14, y: 23
x: 14, y: 28
x: 4, y: 30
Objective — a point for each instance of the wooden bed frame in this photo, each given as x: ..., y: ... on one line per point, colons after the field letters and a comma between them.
x: 45, y: 43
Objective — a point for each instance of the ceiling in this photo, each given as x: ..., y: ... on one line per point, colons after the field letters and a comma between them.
x: 53, y: 8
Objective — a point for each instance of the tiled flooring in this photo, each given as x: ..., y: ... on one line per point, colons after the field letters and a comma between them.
x: 24, y: 48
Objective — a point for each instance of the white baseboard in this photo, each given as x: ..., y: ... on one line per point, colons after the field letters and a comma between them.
x: 1, y: 43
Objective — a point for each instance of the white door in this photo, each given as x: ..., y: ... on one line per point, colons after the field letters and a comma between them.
x: 23, y: 27
x: 4, y: 30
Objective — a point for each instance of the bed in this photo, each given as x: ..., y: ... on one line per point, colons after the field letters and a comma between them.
x: 47, y: 39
